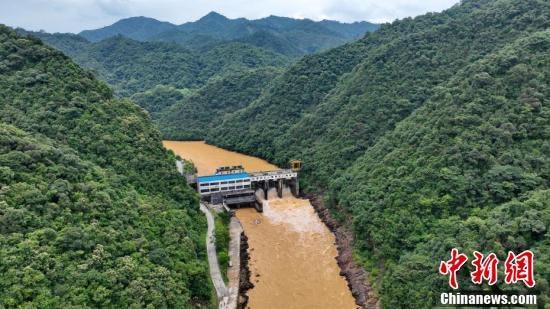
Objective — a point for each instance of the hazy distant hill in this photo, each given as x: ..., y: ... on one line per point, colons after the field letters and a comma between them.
x: 293, y: 36
x: 137, y: 28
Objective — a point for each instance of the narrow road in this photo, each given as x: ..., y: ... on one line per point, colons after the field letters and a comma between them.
x: 215, y: 273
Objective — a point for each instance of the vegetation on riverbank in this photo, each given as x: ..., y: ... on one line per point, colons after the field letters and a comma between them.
x: 193, y: 116
x: 221, y: 222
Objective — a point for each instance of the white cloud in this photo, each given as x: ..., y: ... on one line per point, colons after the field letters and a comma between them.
x: 77, y: 15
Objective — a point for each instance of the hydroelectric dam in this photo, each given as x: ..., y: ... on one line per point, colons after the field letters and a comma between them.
x: 233, y: 187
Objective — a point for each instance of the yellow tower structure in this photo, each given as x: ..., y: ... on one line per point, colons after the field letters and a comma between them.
x: 295, y: 165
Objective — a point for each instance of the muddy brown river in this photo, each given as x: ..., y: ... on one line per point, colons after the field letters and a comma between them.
x: 292, y: 253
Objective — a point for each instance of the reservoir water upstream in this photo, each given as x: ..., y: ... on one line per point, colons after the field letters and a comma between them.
x: 292, y: 253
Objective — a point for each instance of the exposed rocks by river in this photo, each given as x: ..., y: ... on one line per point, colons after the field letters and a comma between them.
x: 244, y: 281
x: 355, y: 275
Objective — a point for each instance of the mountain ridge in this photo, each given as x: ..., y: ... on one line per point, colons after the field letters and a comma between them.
x: 139, y: 28
x: 215, y: 27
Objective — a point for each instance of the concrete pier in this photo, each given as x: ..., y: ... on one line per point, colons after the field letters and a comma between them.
x: 228, y: 295
x: 233, y: 272
x: 215, y: 273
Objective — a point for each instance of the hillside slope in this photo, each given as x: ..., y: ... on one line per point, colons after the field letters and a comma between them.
x: 316, y: 112
x: 469, y: 169
x: 434, y: 130
x: 92, y: 212
x: 192, y: 116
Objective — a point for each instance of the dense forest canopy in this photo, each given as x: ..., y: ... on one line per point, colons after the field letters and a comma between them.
x: 194, y: 115
x: 131, y: 67
x: 427, y: 134
x: 92, y: 212
x: 468, y: 169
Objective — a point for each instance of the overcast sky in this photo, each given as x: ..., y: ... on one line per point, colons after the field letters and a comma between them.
x: 77, y: 15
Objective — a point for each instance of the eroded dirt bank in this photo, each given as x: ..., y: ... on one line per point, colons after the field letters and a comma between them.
x: 355, y: 275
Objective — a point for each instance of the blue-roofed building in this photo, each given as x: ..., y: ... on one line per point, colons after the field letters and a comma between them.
x: 207, y: 185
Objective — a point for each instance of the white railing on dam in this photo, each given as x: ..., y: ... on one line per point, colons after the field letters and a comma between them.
x: 273, y: 175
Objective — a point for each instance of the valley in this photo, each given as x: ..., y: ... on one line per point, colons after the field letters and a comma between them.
x: 414, y: 137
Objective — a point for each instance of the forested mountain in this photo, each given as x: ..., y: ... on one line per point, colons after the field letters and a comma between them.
x: 131, y: 66
x: 139, y: 56
x: 293, y: 37
x: 468, y: 169
x: 191, y: 117
x: 92, y: 212
x: 426, y: 134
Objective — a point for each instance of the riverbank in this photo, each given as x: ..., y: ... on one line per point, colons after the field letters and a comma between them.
x: 234, y: 270
x: 227, y: 295
x: 356, y: 276
x: 215, y: 273
x: 244, y: 272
